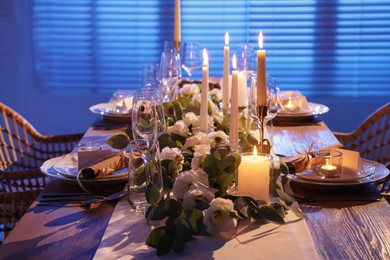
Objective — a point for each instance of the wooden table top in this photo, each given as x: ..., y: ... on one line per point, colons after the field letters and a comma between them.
x: 340, y: 229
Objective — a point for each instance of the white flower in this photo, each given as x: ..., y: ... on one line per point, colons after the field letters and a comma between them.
x: 200, y: 153
x: 220, y: 218
x: 191, y: 119
x: 216, y: 95
x: 198, y: 193
x: 217, y: 137
x: 185, y: 181
x: 179, y: 128
x: 170, y: 154
x: 190, y: 89
x: 199, y: 138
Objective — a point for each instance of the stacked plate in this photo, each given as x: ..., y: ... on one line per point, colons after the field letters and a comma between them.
x: 109, y: 112
x: 314, y: 110
x: 369, y: 171
x: 66, y: 168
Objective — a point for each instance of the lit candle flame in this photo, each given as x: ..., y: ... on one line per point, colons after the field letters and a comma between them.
x: 234, y: 62
x: 205, y: 58
x: 226, y: 38
x: 261, y: 40
x: 254, y: 152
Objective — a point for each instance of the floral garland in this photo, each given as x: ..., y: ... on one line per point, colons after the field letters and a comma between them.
x: 199, y: 168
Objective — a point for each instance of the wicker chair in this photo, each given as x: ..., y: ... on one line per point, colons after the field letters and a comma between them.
x: 22, y: 151
x: 372, y: 139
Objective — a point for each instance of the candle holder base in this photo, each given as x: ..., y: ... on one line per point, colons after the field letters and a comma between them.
x: 177, y: 46
x: 265, y: 145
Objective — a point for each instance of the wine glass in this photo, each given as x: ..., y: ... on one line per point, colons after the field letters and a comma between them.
x: 160, y: 114
x: 170, y: 69
x: 245, y: 57
x: 191, y: 57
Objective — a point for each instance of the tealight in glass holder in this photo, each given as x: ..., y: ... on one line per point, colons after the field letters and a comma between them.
x: 330, y: 163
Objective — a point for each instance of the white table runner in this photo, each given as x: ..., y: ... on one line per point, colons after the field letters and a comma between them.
x: 127, y: 231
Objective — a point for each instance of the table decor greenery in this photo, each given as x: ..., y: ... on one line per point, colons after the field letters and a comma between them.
x: 199, y: 170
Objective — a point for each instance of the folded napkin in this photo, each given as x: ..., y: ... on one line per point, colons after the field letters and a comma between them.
x: 293, y: 101
x: 105, y: 166
x: 306, y: 159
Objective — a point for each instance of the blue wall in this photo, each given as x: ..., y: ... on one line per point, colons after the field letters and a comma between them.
x: 68, y: 113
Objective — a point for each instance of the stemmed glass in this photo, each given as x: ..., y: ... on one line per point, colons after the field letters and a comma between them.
x: 160, y: 115
x: 191, y: 57
x: 144, y: 126
x: 170, y: 69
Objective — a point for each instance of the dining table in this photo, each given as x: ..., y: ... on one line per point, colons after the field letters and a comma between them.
x: 349, y: 228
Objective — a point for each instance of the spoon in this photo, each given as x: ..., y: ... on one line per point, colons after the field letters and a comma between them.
x: 63, y: 202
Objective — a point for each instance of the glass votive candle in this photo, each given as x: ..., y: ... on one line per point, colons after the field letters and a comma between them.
x: 289, y: 102
x: 330, y: 163
x: 89, y: 146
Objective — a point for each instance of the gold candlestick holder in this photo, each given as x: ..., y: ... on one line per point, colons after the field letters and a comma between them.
x: 177, y: 46
x: 265, y: 145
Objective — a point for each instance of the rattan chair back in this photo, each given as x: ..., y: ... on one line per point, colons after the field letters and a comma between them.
x: 22, y: 151
x: 372, y: 137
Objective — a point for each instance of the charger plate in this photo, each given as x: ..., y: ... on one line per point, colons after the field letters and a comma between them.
x: 49, y: 168
x: 314, y: 110
x: 106, y: 110
x: 380, y: 173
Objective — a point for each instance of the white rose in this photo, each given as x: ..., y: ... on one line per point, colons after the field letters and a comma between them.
x: 199, y: 138
x: 179, y: 128
x: 217, y: 137
x: 191, y: 119
x: 220, y: 218
x: 198, y: 193
x: 182, y: 184
x: 216, y: 95
x: 185, y: 181
x: 190, y: 89
x: 200, y: 153
x: 170, y: 154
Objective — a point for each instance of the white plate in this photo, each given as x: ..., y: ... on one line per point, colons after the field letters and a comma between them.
x: 380, y: 173
x: 365, y: 169
x: 106, y: 110
x: 68, y: 168
x: 314, y: 110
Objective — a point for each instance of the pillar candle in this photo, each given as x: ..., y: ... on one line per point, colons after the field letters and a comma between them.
x: 205, y: 93
x: 233, y: 133
x: 242, y: 98
x: 261, y: 74
x: 225, y: 87
x: 177, y: 29
x: 254, y: 176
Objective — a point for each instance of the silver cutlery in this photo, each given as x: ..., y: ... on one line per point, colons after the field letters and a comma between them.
x: 80, y: 200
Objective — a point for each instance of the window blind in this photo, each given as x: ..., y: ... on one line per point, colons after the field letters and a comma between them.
x: 333, y: 48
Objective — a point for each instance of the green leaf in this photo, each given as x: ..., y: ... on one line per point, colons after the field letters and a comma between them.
x: 285, y: 197
x: 297, y: 211
x: 168, y: 109
x: 184, y: 101
x: 139, y: 176
x: 279, y: 208
x: 242, y: 207
x: 210, y: 166
x: 152, y: 194
x: 129, y: 132
x: 195, y: 219
x: 154, y: 238
x: 119, y: 141
x: 178, y: 110
x: 271, y: 214
x: 155, y: 213
x: 183, y: 228
x: 220, y: 151
x: 179, y: 244
x: 166, y: 141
